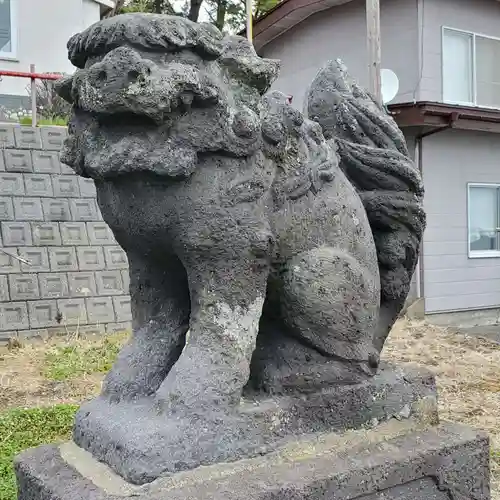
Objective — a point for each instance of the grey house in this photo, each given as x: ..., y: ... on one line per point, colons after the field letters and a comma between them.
x: 446, y: 54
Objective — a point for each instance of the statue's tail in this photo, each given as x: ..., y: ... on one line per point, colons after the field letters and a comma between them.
x: 374, y: 156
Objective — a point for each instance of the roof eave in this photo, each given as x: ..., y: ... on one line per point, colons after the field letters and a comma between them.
x: 426, y: 114
x: 286, y: 15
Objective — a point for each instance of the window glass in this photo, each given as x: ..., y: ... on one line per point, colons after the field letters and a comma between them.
x: 5, y: 27
x: 488, y: 71
x: 483, y: 218
x: 457, y: 67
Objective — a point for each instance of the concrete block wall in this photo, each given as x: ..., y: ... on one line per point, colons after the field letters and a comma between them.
x: 60, y: 266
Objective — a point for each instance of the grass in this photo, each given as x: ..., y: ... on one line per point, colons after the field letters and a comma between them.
x: 41, y: 387
x: 66, y: 362
x: 25, y: 428
x: 56, y: 120
x: 57, y: 375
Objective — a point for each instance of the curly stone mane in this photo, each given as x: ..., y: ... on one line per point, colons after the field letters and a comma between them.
x: 157, y: 33
x: 374, y: 156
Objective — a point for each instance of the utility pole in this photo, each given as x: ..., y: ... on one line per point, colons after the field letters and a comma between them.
x: 249, y: 15
x: 374, y: 52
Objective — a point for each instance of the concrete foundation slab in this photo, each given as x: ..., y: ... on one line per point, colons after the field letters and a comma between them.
x: 489, y: 332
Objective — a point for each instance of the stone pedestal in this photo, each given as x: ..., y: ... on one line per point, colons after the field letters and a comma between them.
x: 393, y: 461
x: 377, y: 440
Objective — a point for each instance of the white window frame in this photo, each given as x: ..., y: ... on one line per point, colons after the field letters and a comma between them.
x: 13, y: 33
x: 474, y: 69
x: 479, y: 254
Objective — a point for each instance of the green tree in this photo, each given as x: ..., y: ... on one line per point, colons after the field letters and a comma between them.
x: 230, y: 15
x: 227, y: 15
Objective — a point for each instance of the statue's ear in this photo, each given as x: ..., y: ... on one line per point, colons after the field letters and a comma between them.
x: 64, y: 87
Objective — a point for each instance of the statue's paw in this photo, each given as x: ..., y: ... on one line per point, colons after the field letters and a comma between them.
x: 141, y: 444
x: 195, y: 385
x: 170, y: 400
x: 170, y: 403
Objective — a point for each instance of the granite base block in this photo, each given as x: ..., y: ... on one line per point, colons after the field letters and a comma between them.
x: 396, y: 460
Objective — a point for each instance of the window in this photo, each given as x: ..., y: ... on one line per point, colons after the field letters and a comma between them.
x: 471, y: 69
x: 484, y: 220
x: 8, y: 34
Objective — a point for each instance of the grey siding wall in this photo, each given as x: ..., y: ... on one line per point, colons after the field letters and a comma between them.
x: 479, y: 16
x: 72, y: 274
x: 340, y: 32
x: 452, y: 281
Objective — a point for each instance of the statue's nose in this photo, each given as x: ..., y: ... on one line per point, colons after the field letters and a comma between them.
x: 118, y: 73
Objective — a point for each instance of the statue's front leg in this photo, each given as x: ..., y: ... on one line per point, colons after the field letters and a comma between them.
x: 160, y: 312
x: 227, y: 294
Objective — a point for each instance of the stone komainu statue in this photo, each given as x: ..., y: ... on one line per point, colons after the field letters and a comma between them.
x: 269, y: 250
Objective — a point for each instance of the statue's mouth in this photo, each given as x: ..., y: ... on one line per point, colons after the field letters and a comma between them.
x: 110, y: 122
x: 114, y: 134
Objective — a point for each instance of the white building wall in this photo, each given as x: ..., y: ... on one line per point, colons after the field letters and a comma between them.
x: 43, y: 30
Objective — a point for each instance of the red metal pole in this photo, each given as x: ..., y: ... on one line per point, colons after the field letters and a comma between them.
x: 33, y: 76
x: 30, y: 75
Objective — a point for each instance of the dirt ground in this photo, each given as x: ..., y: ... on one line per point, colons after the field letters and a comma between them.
x: 22, y: 384
x: 467, y: 371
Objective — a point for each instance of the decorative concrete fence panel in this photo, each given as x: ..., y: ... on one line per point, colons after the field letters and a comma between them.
x: 61, y: 270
